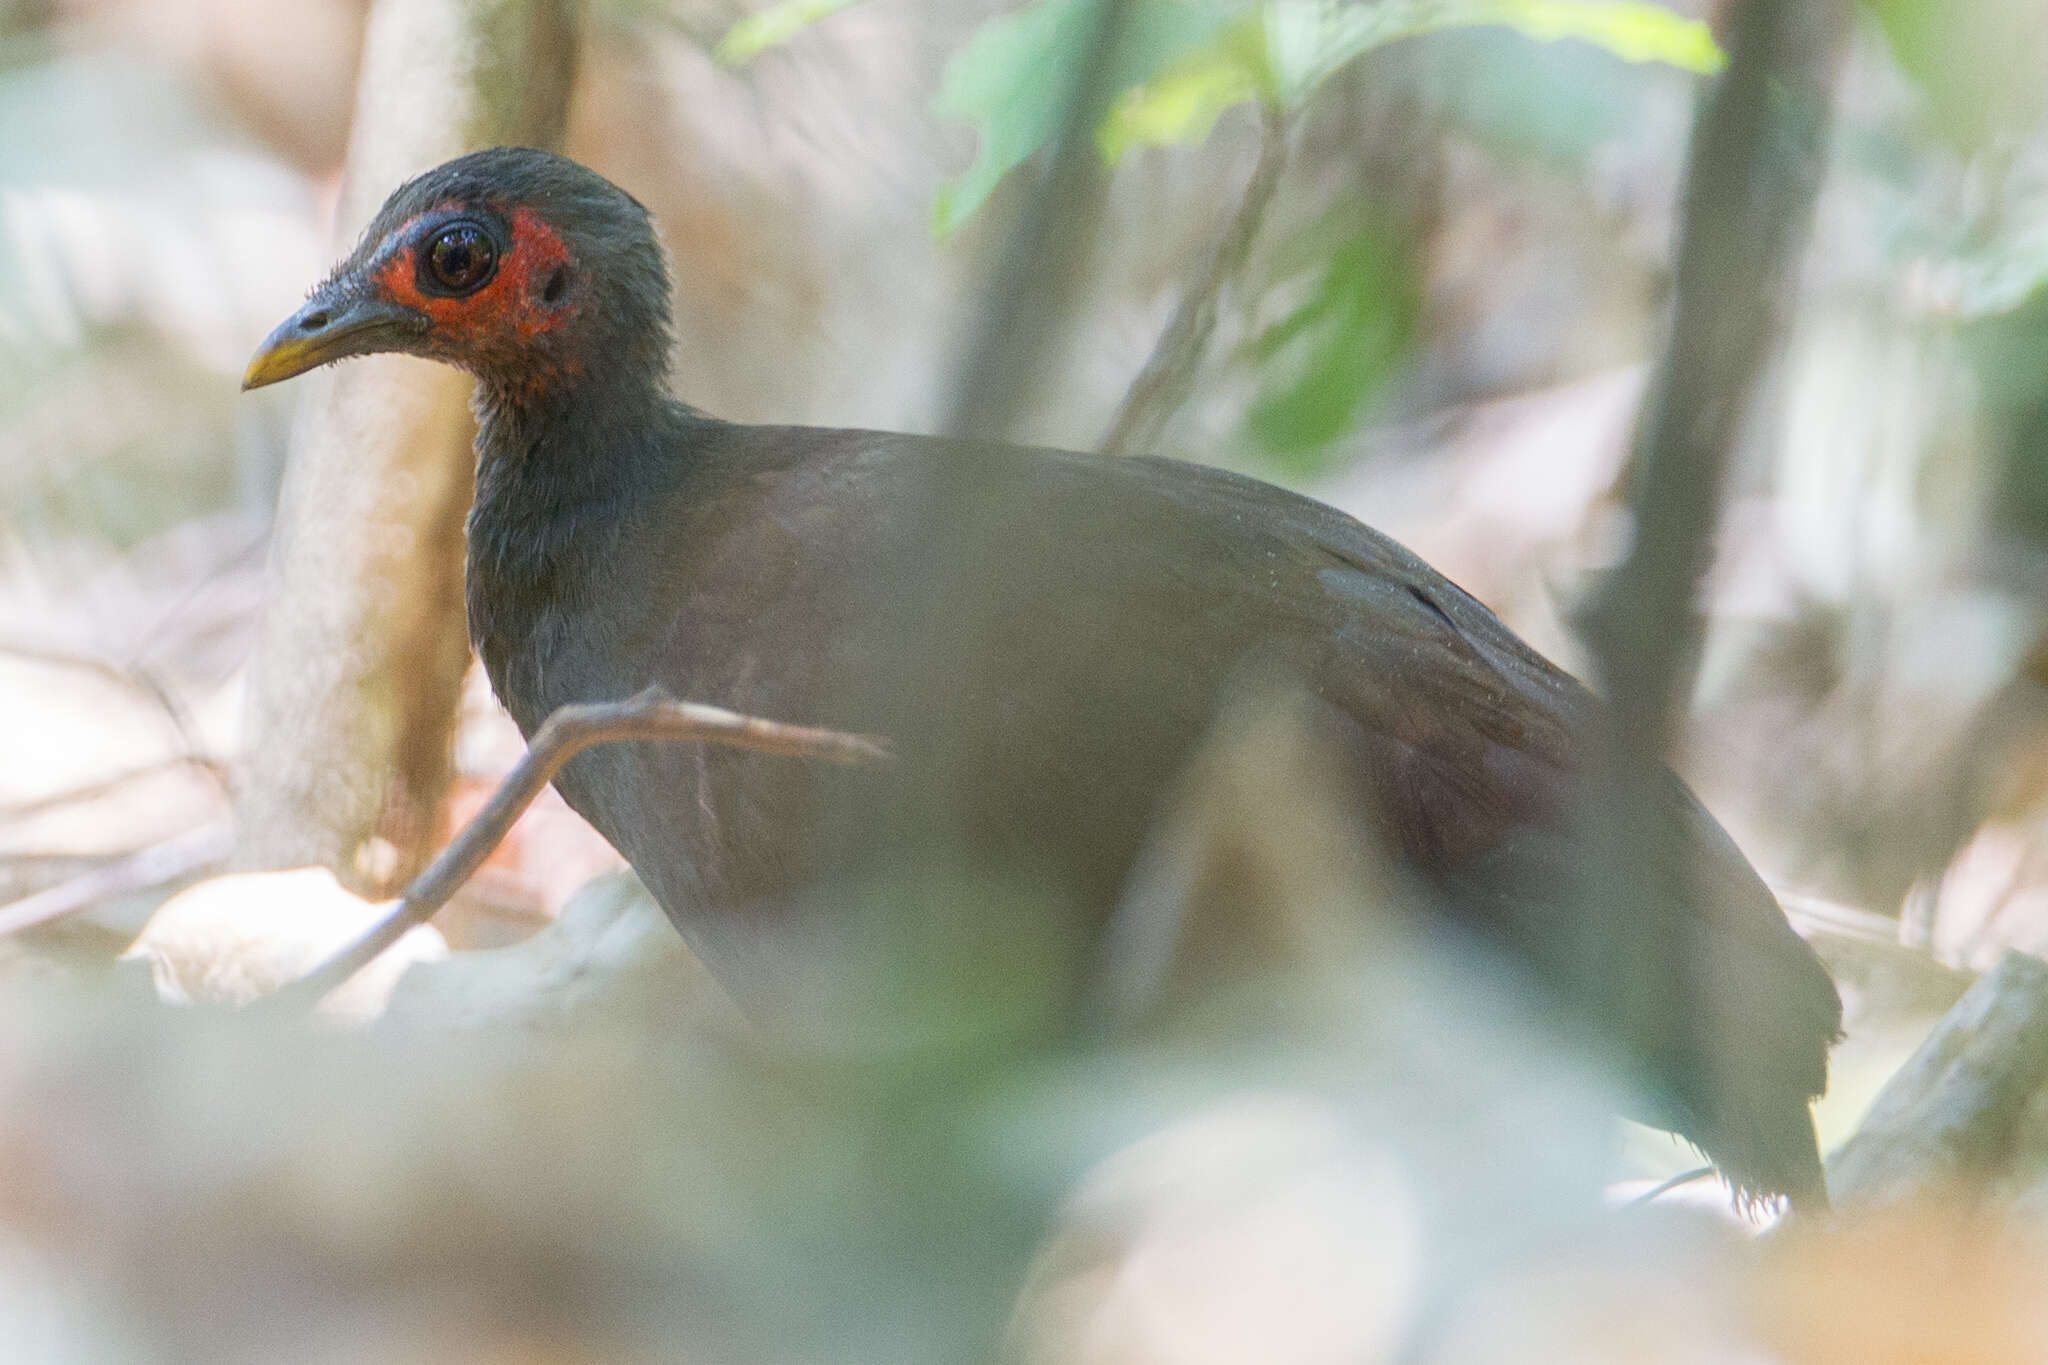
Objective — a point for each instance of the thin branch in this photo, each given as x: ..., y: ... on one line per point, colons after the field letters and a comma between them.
x: 1664, y: 1187
x: 169, y: 861
x: 652, y: 715
x: 1759, y: 153
x: 1169, y: 374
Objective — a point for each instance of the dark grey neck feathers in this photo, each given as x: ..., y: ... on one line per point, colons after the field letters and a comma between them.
x: 558, y: 490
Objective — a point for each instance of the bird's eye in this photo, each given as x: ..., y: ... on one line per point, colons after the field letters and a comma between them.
x: 460, y: 257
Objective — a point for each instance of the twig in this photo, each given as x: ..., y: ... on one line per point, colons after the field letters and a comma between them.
x: 1664, y: 1187
x: 652, y: 715
x: 176, y: 857
x: 1169, y: 374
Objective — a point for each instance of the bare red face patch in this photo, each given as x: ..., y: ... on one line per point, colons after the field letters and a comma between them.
x: 518, y: 302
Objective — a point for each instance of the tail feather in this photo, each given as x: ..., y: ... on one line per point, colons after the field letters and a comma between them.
x: 1769, y: 1015
x: 1726, y: 1012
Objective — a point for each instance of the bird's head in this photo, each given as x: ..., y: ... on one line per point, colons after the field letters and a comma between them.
x: 522, y: 267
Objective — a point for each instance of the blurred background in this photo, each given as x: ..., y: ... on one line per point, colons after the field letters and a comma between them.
x: 1443, y: 324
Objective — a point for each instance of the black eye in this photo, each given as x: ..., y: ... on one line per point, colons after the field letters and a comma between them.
x: 460, y: 258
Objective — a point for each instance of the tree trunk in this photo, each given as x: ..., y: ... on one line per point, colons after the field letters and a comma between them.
x: 349, y: 747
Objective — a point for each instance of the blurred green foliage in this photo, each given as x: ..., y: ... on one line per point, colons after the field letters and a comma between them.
x: 1320, y: 365
x: 1556, y: 105
x: 1977, y: 65
x: 1183, y: 64
x: 1015, y: 79
x: 775, y: 25
x: 1281, y: 53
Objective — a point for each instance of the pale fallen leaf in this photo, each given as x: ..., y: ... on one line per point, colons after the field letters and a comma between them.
x: 234, y: 939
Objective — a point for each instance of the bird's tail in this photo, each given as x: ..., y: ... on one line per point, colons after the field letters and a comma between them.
x: 1767, y: 1013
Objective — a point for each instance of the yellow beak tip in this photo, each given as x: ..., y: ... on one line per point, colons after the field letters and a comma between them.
x: 275, y: 362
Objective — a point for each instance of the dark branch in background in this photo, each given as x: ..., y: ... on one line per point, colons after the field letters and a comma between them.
x: 1169, y: 374
x: 1032, y: 290
x: 957, y: 551
x: 1755, y: 168
x: 1758, y: 156
x: 652, y: 715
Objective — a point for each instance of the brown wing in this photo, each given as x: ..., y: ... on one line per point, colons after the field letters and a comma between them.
x: 1127, y: 597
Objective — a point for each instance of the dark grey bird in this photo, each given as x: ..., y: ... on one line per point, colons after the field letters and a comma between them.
x: 621, y: 538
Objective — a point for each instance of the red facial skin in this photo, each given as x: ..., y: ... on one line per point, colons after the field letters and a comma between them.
x: 495, y: 327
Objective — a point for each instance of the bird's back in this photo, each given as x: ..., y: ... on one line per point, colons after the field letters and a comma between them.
x: 1123, y: 601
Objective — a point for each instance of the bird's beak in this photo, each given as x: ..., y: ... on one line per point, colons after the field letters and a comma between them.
x: 337, y: 322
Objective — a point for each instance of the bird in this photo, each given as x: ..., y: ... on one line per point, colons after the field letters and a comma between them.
x: 621, y: 538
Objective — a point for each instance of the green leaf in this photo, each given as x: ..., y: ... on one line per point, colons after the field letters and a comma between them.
x: 1015, y: 78
x: 1286, y: 49
x: 1182, y: 103
x: 774, y: 26
x: 1559, y: 102
x: 1632, y: 31
x: 2000, y: 276
x: 1321, y: 366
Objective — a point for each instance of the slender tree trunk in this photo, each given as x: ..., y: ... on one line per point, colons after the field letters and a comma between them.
x: 352, y: 696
